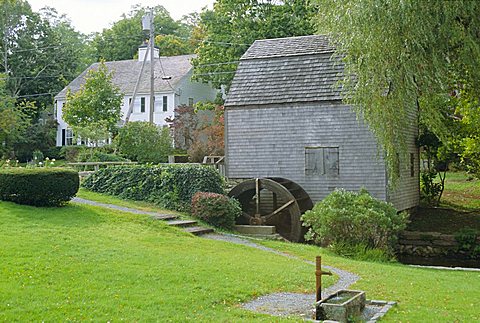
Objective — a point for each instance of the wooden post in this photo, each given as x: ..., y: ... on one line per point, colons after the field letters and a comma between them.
x: 318, y: 274
x: 257, y: 192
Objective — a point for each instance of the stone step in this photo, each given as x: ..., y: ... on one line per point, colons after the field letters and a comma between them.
x: 182, y: 223
x: 164, y: 217
x: 198, y: 230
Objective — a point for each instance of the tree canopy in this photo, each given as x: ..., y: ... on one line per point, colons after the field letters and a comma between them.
x: 232, y: 26
x: 40, y: 52
x: 403, y: 55
x: 144, y: 142
x: 94, y: 111
x: 13, y: 122
x: 121, y: 41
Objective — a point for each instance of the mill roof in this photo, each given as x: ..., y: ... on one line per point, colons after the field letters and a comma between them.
x: 287, y: 70
x: 125, y: 74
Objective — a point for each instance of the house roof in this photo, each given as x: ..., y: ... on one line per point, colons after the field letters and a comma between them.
x: 125, y: 74
x: 286, y: 70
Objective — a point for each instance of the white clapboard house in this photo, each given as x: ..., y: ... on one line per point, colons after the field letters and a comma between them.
x: 172, y: 87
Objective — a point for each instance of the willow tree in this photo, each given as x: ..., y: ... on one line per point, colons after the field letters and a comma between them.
x: 401, y: 55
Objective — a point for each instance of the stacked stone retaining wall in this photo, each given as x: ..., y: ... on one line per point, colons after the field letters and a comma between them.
x: 431, y: 244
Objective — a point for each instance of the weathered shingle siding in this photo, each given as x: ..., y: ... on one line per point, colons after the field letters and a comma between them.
x: 406, y: 193
x: 286, y: 79
x: 285, y: 97
x: 270, y: 141
x: 289, y: 46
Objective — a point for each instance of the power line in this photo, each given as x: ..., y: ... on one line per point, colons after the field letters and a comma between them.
x: 215, y: 73
x: 31, y: 49
x: 216, y: 64
x: 133, y: 37
x: 33, y: 95
x: 29, y: 77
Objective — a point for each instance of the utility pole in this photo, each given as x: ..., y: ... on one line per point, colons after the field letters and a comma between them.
x: 152, y: 61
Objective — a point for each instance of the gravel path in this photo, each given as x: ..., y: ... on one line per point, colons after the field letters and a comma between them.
x: 116, y: 207
x: 287, y: 304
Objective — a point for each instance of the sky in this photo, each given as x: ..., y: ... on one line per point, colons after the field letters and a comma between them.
x: 93, y: 15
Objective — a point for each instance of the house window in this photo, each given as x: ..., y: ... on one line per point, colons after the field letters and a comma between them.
x: 412, y: 164
x: 190, y: 102
x: 69, y: 137
x: 321, y: 161
x: 142, y: 104
x: 165, y: 103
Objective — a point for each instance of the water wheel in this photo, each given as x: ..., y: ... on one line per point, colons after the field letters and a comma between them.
x: 273, y: 201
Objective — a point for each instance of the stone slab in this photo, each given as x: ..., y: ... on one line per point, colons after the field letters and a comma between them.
x: 263, y: 230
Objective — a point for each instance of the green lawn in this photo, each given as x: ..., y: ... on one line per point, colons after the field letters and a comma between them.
x: 423, y: 295
x: 461, y: 191
x: 88, y: 263
x: 82, y: 263
x: 109, y: 199
x: 459, y: 208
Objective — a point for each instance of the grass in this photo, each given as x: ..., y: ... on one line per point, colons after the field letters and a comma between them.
x: 80, y: 263
x: 88, y: 263
x: 109, y: 199
x: 462, y: 191
x: 422, y: 295
x: 459, y: 208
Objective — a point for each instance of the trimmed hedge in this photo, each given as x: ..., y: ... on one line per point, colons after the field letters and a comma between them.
x: 216, y: 209
x: 38, y: 186
x: 170, y: 186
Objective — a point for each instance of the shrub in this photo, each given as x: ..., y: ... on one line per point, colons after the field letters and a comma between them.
x: 144, y: 142
x: 54, y: 152
x: 430, y: 190
x: 216, y: 209
x: 352, y: 219
x: 170, y: 186
x: 71, y: 152
x: 97, y: 155
x: 37, y: 156
x: 467, y: 241
x: 38, y: 186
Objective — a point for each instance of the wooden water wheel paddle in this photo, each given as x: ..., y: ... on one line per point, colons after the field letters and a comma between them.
x: 273, y: 201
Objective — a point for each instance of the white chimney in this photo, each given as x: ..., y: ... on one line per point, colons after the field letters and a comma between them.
x: 142, y: 50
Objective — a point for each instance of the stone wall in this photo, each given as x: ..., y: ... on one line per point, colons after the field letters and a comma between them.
x: 430, y: 244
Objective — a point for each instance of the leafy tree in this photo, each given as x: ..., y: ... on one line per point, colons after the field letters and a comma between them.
x: 121, y: 41
x: 171, y: 45
x: 41, y: 136
x: 94, y: 111
x: 208, y: 138
x: 199, y: 130
x: 466, y: 137
x: 13, y: 122
x: 144, y: 142
x: 404, y: 55
x: 183, y: 126
x: 41, y: 52
x: 233, y: 25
